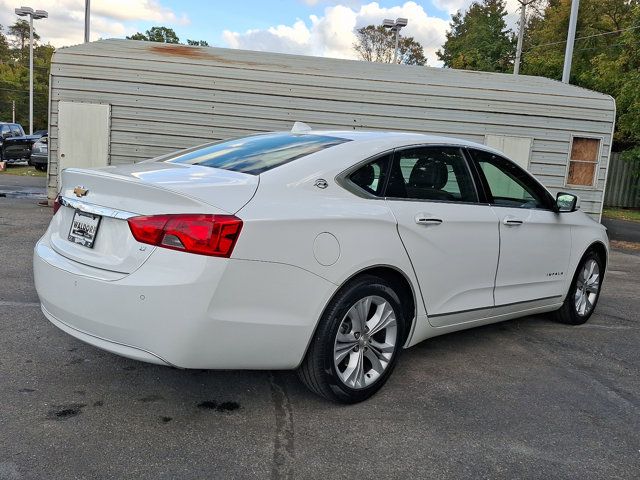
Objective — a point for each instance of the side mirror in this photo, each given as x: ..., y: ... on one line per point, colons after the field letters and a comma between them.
x: 566, y: 202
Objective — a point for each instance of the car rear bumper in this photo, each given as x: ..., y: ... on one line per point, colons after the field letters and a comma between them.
x: 185, y: 310
x: 37, y: 159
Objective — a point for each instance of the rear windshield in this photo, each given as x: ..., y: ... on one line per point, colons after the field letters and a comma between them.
x: 255, y: 154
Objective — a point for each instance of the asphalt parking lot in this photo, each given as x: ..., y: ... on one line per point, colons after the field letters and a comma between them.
x: 523, y: 399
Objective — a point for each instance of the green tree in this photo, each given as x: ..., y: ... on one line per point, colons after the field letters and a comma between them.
x: 619, y: 75
x: 198, y: 43
x: 138, y: 36
x: 546, y: 37
x: 606, y: 54
x: 157, y: 34
x: 479, y: 39
x: 20, y: 32
x: 377, y: 44
x: 4, y: 46
x: 14, y: 77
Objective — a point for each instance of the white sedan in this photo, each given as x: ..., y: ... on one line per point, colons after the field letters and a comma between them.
x: 323, y: 251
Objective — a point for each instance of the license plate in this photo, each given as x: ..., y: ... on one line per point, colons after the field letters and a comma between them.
x: 84, y: 228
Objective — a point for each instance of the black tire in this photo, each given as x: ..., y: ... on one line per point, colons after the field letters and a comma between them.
x: 568, y: 313
x: 318, y: 371
x: 42, y: 168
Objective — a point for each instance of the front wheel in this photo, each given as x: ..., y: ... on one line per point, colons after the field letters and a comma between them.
x: 584, y: 292
x: 357, y: 342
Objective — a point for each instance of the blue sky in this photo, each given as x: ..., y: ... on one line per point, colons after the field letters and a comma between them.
x: 304, y: 27
x: 208, y: 19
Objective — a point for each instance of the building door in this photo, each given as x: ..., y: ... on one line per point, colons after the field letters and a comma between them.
x: 83, y: 134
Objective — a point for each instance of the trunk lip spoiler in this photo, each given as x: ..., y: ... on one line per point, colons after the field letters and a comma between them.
x: 96, y: 209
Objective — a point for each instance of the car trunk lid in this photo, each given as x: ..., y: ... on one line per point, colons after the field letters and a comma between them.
x: 103, y: 199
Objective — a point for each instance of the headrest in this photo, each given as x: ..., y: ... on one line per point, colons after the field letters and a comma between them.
x: 364, y: 176
x: 429, y: 173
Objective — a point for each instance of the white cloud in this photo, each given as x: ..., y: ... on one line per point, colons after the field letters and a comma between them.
x: 109, y: 18
x: 332, y: 35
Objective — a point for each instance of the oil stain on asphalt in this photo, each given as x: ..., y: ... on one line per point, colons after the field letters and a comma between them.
x: 63, y: 412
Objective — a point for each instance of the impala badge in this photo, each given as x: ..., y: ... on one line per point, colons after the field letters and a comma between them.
x: 80, y: 191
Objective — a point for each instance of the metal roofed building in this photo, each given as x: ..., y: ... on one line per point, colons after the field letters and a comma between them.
x: 123, y: 101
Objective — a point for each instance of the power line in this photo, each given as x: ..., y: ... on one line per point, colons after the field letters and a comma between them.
x: 585, y: 37
x: 14, y: 90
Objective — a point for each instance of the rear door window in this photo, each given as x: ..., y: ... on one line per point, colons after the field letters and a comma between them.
x: 431, y: 173
x: 255, y: 154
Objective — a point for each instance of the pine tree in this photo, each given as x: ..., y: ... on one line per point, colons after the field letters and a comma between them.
x: 479, y: 39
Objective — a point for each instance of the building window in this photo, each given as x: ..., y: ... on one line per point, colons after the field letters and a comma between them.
x: 583, y: 162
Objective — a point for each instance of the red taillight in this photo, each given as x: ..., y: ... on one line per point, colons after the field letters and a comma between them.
x: 204, y: 234
x: 56, y: 205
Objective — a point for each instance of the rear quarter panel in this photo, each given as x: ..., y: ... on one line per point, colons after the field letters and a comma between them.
x: 289, y: 218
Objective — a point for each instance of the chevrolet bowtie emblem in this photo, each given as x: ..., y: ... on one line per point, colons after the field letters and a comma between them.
x: 80, y: 191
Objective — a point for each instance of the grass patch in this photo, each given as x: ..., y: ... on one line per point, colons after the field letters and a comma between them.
x: 622, y: 214
x: 23, y: 170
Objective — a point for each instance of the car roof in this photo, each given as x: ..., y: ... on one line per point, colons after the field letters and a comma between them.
x: 401, y: 138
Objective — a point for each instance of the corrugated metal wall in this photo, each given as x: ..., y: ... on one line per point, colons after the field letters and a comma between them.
x: 623, y: 184
x: 165, y: 97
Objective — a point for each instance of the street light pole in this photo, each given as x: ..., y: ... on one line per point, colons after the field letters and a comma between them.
x: 395, y: 27
x: 33, y: 15
x: 395, y: 50
x: 30, y: 74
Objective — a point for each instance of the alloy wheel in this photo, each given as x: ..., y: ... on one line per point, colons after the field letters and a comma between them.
x: 365, y: 342
x: 587, y: 287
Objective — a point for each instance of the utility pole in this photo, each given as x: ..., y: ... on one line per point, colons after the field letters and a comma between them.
x: 571, y: 37
x: 87, y: 20
x: 523, y: 19
x: 13, y: 111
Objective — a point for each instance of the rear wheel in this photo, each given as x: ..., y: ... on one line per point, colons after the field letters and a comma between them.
x: 357, y: 342
x: 42, y: 168
x: 584, y: 292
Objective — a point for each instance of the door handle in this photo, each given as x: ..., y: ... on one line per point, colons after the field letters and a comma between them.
x: 512, y: 221
x: 427, y: 219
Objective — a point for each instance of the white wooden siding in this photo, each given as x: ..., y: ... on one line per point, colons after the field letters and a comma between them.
x: 165, y: 97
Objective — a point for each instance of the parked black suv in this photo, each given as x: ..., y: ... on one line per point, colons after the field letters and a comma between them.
x: 14, y: 144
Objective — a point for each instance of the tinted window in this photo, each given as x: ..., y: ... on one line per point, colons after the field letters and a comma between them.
x: 4, y: 131
x: 371, y: 177
x: 508, y: 184
x: 15, y: 129
x: 431, y: 173
x: 255, y: 154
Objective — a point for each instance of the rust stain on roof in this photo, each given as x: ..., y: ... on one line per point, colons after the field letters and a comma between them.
x: 185, y: 51
x: 179, y: 51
